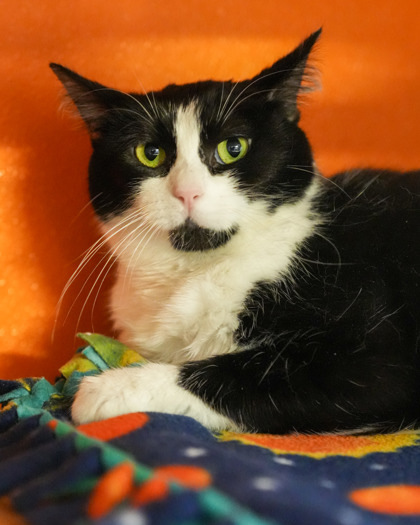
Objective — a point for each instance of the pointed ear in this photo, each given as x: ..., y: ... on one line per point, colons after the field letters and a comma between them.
x: 90, y: 98
x: 289, y: 77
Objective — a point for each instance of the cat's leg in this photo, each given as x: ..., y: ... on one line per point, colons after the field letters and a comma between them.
x: 152, y: 387
x: 312, y: 385
x: 301, y: 384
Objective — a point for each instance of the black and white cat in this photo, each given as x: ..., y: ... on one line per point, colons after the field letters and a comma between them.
x: 267, y: 297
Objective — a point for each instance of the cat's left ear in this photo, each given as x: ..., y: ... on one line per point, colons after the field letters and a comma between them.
x: 289, y: 77
x: 92, y: 99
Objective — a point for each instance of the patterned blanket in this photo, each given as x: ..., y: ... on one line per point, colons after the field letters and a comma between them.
x: 146, y: 469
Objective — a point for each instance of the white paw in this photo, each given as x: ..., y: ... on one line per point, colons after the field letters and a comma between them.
x: 150, y: 388
x: 100, y: 397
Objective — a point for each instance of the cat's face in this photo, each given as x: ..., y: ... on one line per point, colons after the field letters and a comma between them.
x: 189, y: 162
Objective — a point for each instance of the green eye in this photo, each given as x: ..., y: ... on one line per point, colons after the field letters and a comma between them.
x: 150, y: 155
x: 231, y: 150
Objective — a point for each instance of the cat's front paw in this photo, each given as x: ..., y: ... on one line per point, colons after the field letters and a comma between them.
x: 149, y: 388
x: 152, y: 387
x: 96, y: 399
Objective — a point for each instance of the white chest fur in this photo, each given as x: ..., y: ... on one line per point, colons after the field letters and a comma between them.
x: 174, y: 306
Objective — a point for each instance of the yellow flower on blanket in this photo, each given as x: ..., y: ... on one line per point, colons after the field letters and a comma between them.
x: 78, y: 363
x: 101, y: 353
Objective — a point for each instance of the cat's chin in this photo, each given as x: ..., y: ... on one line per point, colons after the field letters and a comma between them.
x: 190, y: 237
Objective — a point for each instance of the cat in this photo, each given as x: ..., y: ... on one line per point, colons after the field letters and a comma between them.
x: 267, y: 297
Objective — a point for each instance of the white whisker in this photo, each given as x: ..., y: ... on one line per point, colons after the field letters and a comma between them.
x: 89, y: 254
x: 221, y: 113
x: 249, y: 85
x: 140, y: 238
x: 111, y: 258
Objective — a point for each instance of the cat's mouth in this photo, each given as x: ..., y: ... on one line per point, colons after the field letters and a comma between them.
x: 190, y: 237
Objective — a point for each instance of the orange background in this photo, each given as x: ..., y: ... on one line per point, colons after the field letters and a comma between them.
x: 367, y: 113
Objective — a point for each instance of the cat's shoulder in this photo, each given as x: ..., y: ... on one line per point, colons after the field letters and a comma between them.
x: 369, y: 182
x: 373, y: 189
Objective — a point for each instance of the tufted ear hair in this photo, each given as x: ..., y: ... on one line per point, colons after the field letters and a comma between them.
x: 92, y: 99
x: 289, y: 77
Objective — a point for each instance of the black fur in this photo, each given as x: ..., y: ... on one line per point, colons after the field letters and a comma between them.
x: 334, y: 348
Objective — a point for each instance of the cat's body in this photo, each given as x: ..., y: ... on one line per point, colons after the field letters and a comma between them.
x: 268, y: 298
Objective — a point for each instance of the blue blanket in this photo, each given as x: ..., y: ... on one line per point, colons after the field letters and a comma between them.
x: 146, y: 469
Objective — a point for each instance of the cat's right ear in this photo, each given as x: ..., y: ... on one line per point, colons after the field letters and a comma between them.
x: 289, y: 77
x: 90, y: 98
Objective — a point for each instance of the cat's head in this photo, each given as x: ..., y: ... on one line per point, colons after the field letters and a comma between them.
x: 188, y: 161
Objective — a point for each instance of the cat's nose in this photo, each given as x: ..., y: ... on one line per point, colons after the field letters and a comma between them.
x: 188, y: 196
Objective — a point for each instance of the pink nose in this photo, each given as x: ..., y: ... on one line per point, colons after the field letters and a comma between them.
x: 188, y: 196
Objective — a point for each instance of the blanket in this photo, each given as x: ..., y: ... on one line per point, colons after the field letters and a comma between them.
x: 155, y: 468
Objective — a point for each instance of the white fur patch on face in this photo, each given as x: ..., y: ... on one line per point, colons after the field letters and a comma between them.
x: 149, y: 388
x: 190, y: 190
